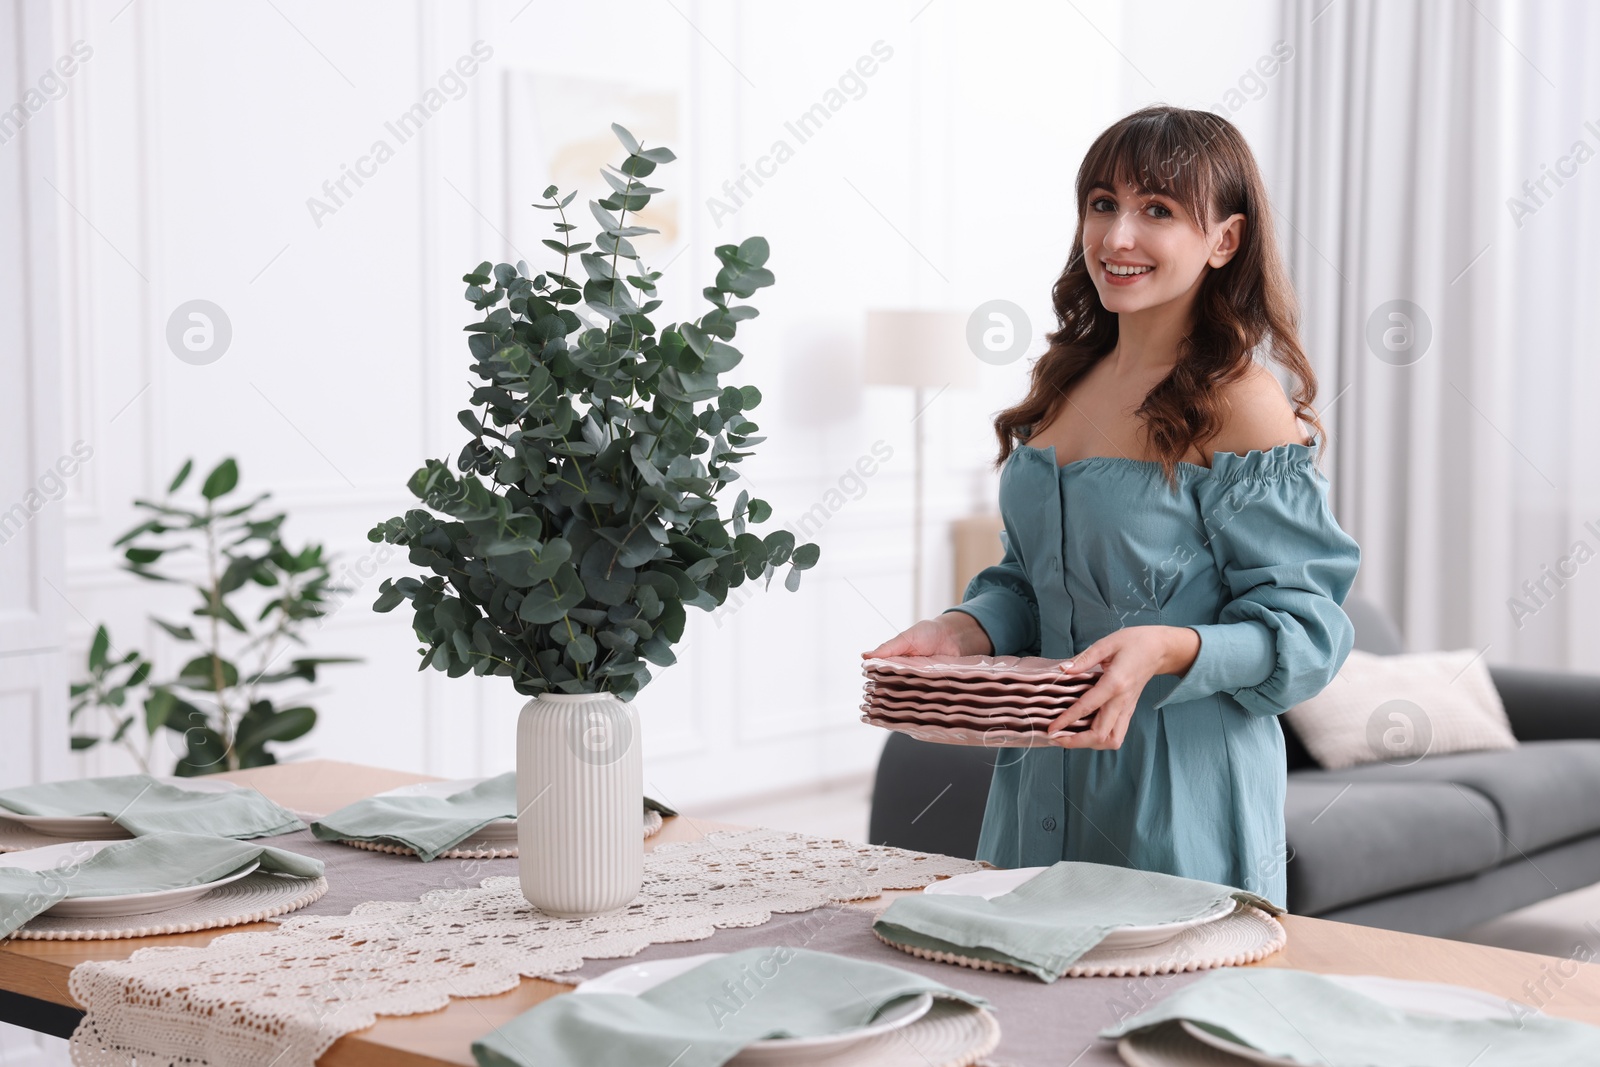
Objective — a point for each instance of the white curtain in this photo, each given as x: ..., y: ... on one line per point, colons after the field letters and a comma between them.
x: 1437, y: 182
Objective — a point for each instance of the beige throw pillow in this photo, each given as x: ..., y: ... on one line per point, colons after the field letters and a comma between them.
x: 1398, y: 709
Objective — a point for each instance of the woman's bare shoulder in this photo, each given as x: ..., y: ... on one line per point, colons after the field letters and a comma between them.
x: 1256, y: 415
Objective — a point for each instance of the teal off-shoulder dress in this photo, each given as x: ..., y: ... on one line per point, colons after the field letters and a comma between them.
x: 1248, y: 554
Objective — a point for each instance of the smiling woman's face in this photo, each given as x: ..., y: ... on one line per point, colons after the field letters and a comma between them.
x: 1144, y: 249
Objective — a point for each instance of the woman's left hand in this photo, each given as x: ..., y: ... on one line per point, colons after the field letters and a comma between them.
x: 1131, y: 657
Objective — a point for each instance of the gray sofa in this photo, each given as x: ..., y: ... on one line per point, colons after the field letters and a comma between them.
x: 1450, y: 841
x: 1432, y: 848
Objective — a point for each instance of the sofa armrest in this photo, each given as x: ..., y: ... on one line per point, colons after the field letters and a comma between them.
x: 1546, y: 705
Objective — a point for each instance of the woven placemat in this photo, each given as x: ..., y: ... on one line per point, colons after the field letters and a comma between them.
x: 251, y: 899
x: 1248, y: 935
x: 485, y: 850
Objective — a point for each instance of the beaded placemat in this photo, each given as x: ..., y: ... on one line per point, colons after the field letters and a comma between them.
x: 1248, y: 935
x: 253, y: 898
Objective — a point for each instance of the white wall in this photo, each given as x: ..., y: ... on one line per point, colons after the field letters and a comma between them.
x: 33, y: 705
x: 33, y: 698
x: 192, y: 139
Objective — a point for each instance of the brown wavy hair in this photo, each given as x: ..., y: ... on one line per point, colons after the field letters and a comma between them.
x: 1202, y: 161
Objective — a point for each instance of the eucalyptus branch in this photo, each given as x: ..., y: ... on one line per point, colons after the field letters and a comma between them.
x: 584, y: 554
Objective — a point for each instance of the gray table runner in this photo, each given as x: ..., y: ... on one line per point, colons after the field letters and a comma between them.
x: 1041, y: 1025
x: 357, y: 875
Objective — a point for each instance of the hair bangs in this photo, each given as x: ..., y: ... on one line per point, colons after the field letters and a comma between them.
x: 1158, y: 155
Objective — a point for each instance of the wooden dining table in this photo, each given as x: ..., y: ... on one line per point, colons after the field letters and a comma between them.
x: 33, y: 974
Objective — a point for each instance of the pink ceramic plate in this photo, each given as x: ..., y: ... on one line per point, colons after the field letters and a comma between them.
x: 973, y: 699
x: 990, y: 668
x: 945, y: 735
x: 961, y: 687
x: 1033, y: 709
x: 904, y: 710
x: 1043, y: 695
x: 980, y: 722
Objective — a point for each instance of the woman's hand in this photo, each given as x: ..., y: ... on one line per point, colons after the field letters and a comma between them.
x: 1131, y: 657
x: 955, y: 633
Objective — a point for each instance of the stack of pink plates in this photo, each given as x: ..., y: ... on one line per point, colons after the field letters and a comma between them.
x: 971, y: 700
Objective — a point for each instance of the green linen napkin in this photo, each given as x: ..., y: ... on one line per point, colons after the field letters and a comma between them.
x: 431, y: 825
x: 703, y: 1017
x: 1046, y: 923
x: 141, y: 805
x: 142, y: 865
x: 1307, y: 1018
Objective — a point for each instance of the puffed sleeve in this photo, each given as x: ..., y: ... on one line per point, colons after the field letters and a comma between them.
x: 1002, y: 600
x: 1287, y: 567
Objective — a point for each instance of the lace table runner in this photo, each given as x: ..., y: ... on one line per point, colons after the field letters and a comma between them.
x: 279, y: 998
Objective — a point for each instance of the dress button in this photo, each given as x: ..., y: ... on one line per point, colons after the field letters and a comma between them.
x: 1049, y: 822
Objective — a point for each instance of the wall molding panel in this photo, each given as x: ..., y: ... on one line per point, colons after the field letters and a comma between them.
x: 190, y: 145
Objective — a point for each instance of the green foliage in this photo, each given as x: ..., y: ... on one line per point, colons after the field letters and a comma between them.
x: 584, y: 518
x: 112, y: 677
x: 224, y: 714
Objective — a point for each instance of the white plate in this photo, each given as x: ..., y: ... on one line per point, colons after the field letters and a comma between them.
x: 991, y: 884
x: 635, y: 978
x: 73, y: 852
x: 1435, y: 999
x: 85, y: 827
x: 499, y: 831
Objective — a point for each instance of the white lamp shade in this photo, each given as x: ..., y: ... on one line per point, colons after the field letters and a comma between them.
x: 920, y: 348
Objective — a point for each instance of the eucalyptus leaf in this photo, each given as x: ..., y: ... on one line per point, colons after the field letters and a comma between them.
x: 625, y: 137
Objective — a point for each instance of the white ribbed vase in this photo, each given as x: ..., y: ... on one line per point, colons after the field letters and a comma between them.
x: 580, y: 803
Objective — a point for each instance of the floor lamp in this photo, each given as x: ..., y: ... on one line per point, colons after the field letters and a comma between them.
x: 926, y: 350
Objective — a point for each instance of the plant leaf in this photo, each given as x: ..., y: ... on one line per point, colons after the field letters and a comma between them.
x: 626, y: 138
x: 98, y: 647
x: 221, y: 481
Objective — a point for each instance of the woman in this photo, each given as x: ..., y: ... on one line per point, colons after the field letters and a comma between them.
x: 1165, y: 522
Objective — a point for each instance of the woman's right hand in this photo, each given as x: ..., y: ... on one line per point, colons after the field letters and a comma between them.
x: 955, y: 633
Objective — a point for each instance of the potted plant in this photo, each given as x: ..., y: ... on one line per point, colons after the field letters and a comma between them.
x: 227, y: 702
x: 581, y: 519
